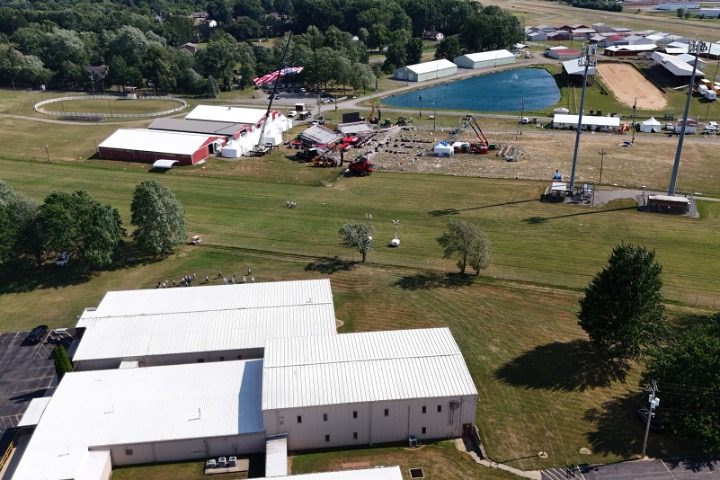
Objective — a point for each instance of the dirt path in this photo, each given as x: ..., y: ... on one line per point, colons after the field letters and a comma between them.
x: 626, y: 83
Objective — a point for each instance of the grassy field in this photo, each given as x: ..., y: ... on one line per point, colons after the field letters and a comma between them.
x: 111, y: 106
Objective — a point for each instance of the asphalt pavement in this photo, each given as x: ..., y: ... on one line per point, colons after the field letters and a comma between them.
x: 640, y: 470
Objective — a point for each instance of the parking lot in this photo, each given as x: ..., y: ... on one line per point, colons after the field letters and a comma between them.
x: 641, y: 470
x: 26, y: 372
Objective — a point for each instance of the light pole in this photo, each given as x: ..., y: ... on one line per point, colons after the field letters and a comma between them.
x: 602, y: 160
x: 587, y: 60
x: 420, y: 99
x: 633, y: 121
x: 695, y: 47
x: 654, y: 401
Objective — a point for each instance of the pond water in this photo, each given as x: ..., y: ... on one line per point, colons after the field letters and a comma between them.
x: 495, y: 92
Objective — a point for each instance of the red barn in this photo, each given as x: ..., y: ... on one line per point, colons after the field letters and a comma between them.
x: 147, y: 146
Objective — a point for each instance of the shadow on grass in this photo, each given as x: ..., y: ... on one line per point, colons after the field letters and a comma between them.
x: 427, y: 280
x: 568, y: 366
x: 454, y: 211
x: 620, y: 432
x: 26, y: 276
x: 538, y: 220
x: 329, y: 266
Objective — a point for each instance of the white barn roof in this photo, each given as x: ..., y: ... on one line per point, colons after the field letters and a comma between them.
x: 573, y: 67
x: 587, y: 120
x: 140, y: 323
x: 490, y: 55
x: 363, y: 367
x: 428, y: 67
x: 139, y: 139
x: 115, y: 407
x: 217, y: 113
x: 675, y: 65
x: 214, y: 297
x: 379, y: 473
x: 34, y: 412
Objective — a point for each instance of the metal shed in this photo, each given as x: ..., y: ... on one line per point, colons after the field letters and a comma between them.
x: 426, y: 71
x: 491, y: 58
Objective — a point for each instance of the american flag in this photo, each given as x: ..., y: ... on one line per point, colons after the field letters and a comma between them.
x: 271, y: 77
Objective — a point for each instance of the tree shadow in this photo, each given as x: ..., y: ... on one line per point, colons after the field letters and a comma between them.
x: 329, y: 266
x: 538, y: 220
x: 568, y: 366
x: 535, y: 220
x: 620, y: 432
x: 426, y: 280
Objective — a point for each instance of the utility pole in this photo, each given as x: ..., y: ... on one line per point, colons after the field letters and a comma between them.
x: 695, y: 47
x: 654, y: 401
x: 522, y: 112
x: 633, y: 121
x: 420, y: 99
x: 587, y: 60
x: 602, y: 160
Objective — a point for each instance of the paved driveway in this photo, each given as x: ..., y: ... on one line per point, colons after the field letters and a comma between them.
x: 641, y: 470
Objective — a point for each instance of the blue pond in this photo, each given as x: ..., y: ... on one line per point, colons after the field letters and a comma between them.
x: 495, y: 92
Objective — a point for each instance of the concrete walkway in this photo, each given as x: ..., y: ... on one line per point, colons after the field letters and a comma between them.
x: 530, y: 474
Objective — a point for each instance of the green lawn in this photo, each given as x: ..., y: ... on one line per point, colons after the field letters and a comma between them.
x: 111, y: 106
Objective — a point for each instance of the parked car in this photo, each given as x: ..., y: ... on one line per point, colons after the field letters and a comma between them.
x: 38, y: 335
x: 62, y: 259
x: 655, y: 424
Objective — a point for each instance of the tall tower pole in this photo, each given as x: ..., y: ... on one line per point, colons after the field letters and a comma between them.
x: 588, y: 59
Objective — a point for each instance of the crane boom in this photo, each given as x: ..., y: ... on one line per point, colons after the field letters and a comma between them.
x: 260, y: 148
x: 470, y: 120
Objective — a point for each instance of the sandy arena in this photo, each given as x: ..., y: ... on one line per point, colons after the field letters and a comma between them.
x: 626, y: 83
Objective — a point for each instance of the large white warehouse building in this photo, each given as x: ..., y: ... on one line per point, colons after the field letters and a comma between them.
x: 491, y: 58
x: 201, y: 324
x: 366, y: 388
x: 102, y: 419
x: 426, y: 71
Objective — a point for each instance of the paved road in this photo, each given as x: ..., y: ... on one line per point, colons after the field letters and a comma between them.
x: 641, y: 470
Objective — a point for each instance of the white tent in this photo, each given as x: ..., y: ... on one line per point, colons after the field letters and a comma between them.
x: 442, y: 149
x: 650, y: 125
x: 561, y: 110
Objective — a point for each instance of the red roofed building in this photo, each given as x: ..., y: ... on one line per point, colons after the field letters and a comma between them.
x: 563, y: 53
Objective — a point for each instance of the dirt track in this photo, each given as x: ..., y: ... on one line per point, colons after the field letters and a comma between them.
x: 626, y: 83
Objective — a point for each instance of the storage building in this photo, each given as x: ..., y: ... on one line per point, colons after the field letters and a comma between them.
x: 629, y: 50
x: 675, y: 65
x: 200, y: 324
x: 589, y: 122
x: 142, y: 145
x: 575, y: 72
x: 485, y: 59
x: 102, y: 419
x: 563, y: 53
x: 225, y: 129
x: 366, y: 388
x: 426, y: 71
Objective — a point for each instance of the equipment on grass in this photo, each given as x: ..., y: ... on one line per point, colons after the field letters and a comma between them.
x: 360, y: 167
x: 482, y: 146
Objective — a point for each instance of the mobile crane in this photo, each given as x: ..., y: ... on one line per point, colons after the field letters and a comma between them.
x: 482, y: 146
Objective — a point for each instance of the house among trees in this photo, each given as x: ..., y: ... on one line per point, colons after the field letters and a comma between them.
x: 199, y: 17
x: 97, y: 75
x: 432, y: 35
x: 189, y: 46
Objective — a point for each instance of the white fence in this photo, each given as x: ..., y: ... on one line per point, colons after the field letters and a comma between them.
x: 101, y: 115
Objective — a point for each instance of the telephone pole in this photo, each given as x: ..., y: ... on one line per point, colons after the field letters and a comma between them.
x: 633, y: 121
x: 654, y: 402
x: 587, y: 60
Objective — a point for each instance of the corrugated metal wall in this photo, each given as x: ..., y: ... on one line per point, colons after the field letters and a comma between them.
x: 174, y: 359
x: 371, y: 425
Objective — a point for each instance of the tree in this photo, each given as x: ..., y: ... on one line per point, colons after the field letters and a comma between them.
x: 414, y: 49
x: 77, y: 224
x: 687, y: 369
x: 219, y: 59
x: 17, y: 216
x: 62, y: 361
x: 680, y: 12
x: 357, y: 236
x: 622, y: 309
x: 448, y: 48
x: 467, y: 242
x: 159, y: 218
x: 213, y: 89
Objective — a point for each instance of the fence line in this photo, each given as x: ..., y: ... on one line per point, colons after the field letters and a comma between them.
x: 38, y: 107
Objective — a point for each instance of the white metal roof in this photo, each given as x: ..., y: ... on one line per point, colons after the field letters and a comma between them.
x: 587, y: 120
x: 137, y: 336
x: 490, y: 55
x: 34, y: 412
x: 650, y: 121
x: 213, y: 297
x: 573, y: 67
x: 428, y: 67
x: 675, y: 65
x: 165, y: 163
x: 363, y: 367
x: 379, y: 473
x: 140, y: 139
x: 116, y: 407
x: 218, y: 113
x: 276, y: 459
x: 669, y: 198
x: 645, y: 47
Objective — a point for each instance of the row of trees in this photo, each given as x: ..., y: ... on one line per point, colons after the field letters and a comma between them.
x: 608, y: 5
x: 332, y: 40
x: 623, y: 314
x: 90, y: 232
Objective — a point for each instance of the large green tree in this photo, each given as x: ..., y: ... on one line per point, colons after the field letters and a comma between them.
x: 17, y: 218
x: 448, y: 48
x: 159, y: 218
x: 467, y: 243
x: 358, y: 236
x: 219, y: 59
x: 76, y: 223
x: 622, y: 308
x: 687, y: 370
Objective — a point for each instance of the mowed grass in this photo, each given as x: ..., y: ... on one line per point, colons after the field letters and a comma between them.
x: 120, y: 105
